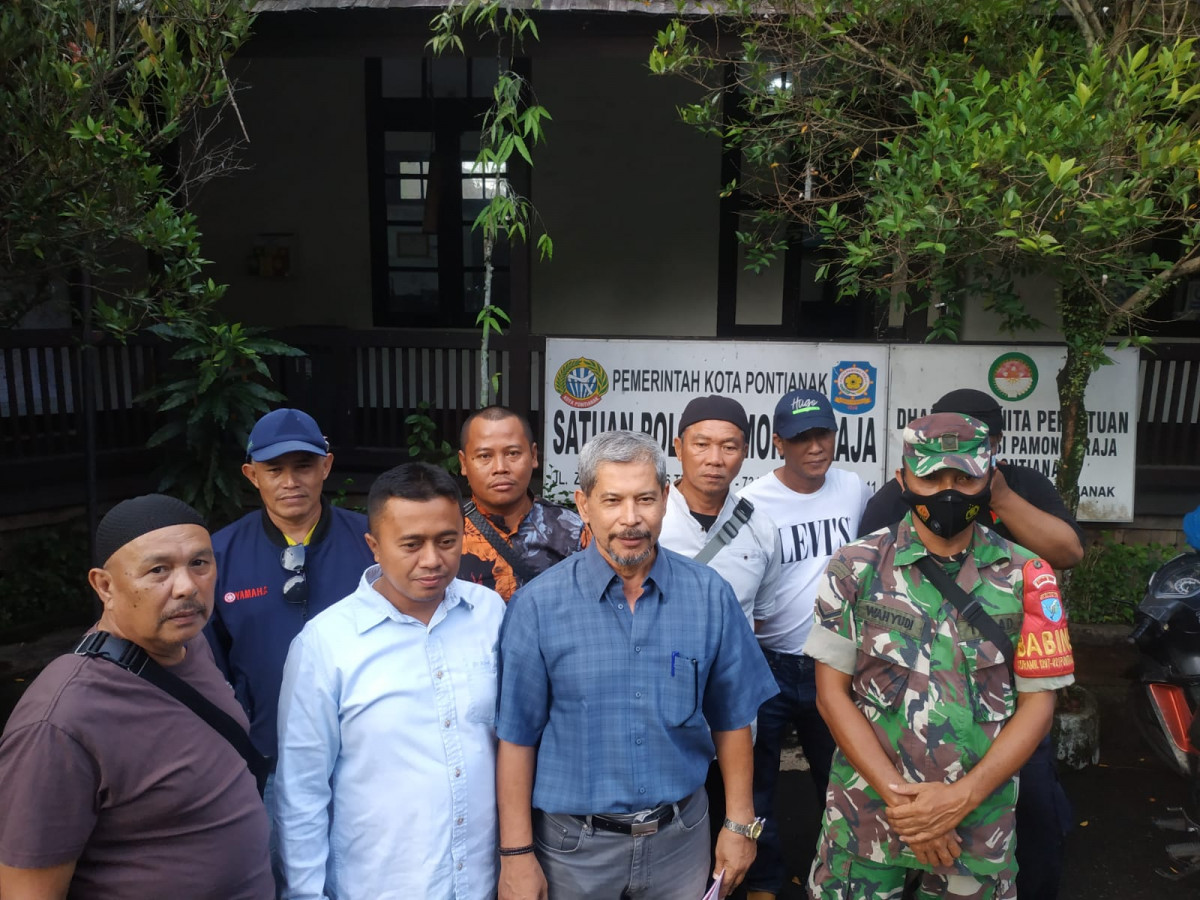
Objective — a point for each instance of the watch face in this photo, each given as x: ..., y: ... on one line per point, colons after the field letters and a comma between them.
x: 756, y: 828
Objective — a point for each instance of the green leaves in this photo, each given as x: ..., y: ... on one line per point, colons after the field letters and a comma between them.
x: 86, y: 111
x: 219, y: 387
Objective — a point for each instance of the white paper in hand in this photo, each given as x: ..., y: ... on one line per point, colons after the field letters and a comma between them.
x: 714, y: 892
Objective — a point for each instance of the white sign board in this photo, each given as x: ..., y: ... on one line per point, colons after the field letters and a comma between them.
x: 643, y: 385
x: 1023, y: 381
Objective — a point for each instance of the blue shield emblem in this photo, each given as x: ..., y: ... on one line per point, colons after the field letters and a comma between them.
x: 853, y: 387
x: 1052, y: 608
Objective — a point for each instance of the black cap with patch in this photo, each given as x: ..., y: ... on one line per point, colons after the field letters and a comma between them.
x: 976, y: 404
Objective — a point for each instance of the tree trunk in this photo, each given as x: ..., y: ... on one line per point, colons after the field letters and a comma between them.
x: 1083, y: 322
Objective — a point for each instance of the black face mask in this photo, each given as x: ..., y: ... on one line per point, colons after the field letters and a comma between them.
x: 950, y: 512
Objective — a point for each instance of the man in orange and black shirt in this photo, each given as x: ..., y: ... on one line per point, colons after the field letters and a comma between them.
x: 511, y: 536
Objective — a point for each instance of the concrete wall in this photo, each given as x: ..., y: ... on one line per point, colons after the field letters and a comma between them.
x: 308, y: 181
x: 629, y: 195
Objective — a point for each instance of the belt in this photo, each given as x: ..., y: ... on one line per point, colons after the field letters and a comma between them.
x: 650, y: 824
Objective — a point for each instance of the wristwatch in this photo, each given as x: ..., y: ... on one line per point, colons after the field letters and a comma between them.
x: 752, y: 831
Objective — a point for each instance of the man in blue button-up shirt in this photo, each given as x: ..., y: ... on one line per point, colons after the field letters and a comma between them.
x: 622, y: 669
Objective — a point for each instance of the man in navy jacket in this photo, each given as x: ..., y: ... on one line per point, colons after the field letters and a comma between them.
x: 280, y: 566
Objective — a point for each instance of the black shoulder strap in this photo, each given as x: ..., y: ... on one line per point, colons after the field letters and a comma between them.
x: 727, y: 532
x: 968, y: 606
x: 499, y: 544
x: 134, y: 659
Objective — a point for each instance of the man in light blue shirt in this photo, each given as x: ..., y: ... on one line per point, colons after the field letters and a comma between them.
x: 386, y: 775
x: 622, y: 669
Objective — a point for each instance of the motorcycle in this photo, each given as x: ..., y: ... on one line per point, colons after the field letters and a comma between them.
x: 1166, y: 696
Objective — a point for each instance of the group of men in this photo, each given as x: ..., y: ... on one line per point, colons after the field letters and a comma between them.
x: 506, y: 697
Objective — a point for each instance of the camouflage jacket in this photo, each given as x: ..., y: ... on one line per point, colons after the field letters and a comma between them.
x: 935, y: 692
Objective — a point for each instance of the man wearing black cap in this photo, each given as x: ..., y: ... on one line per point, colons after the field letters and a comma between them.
x: 705, y: 521
x: 1027, y: 510
x: 816, y: 509
x: 279, y: 566
x: 110, y: 786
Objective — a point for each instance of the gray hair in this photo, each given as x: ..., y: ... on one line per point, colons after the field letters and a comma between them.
x: 620, y: 447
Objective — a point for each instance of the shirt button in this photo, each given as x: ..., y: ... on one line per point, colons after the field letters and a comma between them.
x: 638, y: 694
x: 439, y: 673
x: 458, y: 821
x: 446, y: 723
x: 637, y: 649
x: 638, y: 741
x: 460, y: 867
x: 457, y: 772
x: 641, y: 790
x: 620, y: 606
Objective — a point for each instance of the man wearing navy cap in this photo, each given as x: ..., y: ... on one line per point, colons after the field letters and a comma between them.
x: 816, y: 509
x: 280, y: 566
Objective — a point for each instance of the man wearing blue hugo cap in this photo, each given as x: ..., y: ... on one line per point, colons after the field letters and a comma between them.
x: 280, y: 566
x: 816, y: 509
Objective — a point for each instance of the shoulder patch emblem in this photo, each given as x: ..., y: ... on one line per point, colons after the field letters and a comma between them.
x: 1044, y: 649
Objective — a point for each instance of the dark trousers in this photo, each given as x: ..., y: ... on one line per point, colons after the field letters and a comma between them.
x: 794, y: 706
x: 1043, y: 820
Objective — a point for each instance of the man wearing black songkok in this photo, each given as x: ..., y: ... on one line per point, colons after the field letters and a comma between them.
x: 110, y: 786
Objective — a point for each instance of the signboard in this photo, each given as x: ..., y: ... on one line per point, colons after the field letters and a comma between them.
x: 1023, y: 381
x: 643, y: 385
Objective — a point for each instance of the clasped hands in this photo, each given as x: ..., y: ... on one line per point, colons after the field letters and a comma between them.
x: 925, y: 817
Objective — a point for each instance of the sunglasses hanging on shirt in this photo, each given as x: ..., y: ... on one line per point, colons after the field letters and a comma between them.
x: 295, y: 589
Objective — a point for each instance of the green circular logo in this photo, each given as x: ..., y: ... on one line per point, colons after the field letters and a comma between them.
x: 1013, y: 376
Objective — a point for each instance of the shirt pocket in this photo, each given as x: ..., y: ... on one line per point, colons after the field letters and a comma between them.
x: 894, y: 647
x: 881, y: 672
x: 679, y: 692
x: 481, y: 689
x: 989, y: 680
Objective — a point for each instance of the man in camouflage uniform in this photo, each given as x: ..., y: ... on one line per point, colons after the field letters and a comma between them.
x: 930, y: 720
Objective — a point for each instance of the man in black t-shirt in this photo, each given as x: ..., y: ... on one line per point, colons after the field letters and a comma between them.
x: 1025, y: 509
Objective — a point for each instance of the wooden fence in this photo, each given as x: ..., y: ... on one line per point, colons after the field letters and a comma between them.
x: 361, y: 385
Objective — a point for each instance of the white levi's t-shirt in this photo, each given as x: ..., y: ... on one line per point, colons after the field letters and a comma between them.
x: 811, y: 527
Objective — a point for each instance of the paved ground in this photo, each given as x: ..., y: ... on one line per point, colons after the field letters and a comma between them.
x: 1111, y: 854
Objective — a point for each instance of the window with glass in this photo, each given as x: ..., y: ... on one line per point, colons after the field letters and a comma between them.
x: 427, y: 191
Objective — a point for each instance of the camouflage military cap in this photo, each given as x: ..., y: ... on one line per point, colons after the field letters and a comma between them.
x: 947, y: 441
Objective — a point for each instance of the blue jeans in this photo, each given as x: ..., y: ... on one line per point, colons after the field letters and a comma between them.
x: 583, y: 863
x: 276, y: 860
x: 794, y: 705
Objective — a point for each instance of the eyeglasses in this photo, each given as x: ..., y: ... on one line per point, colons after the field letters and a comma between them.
x: 295, y: 589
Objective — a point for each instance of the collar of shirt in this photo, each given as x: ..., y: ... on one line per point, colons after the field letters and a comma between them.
x: 315, y: 536
x: 372, y: 608
x: 497, y: 520
x: 676, y: 500
x: 599, y: 573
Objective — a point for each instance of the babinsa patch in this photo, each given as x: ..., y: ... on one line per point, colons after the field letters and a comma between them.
x: 1045, y: 646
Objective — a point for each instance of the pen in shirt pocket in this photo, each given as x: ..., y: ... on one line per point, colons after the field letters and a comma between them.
x: 675, y: 654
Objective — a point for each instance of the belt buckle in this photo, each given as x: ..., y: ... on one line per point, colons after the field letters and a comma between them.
x: 637, y: 829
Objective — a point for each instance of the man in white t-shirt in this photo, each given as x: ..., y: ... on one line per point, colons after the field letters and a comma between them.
x: 816, y: 510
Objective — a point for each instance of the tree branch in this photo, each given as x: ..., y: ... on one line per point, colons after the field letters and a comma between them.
x: 1183, y: 268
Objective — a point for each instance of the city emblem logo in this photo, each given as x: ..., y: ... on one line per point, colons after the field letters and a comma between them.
x: 854, y: 387
x: 1013, y: 376
x: 581, y: 382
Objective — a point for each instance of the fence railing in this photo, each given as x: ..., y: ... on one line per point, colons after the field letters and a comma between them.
x: 1168, y: 439
x: 362, y: 384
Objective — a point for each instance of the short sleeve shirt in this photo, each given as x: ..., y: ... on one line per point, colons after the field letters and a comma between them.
x: 100, y: 766
x: 935, y: 691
